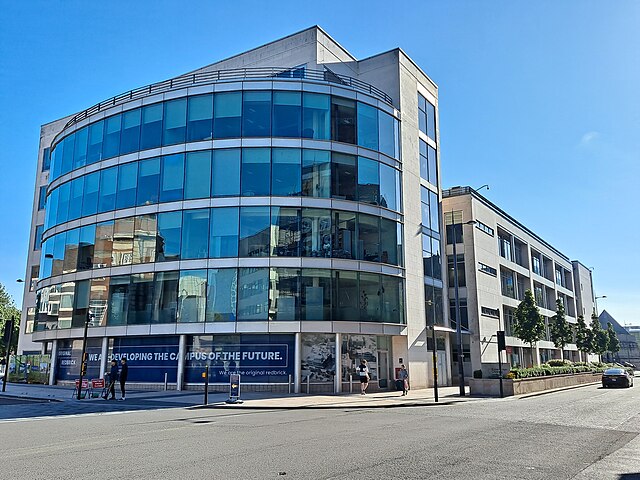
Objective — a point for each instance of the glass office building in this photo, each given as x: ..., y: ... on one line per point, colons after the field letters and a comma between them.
x: 257, y: 218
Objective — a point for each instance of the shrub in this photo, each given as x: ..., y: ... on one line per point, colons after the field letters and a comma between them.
x: 558, y: 363
x: 477, y: 374
x: 548, y: 370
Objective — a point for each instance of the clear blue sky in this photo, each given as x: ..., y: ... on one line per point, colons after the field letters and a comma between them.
x: 541, y: 100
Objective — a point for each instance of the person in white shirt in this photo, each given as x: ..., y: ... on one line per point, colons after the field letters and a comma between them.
x: 363, y: 373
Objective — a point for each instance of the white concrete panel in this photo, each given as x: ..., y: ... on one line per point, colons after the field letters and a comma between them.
x: 103, y: 217
x: 253, y: 201
x: 257, y: 85
x: 94, y: 332
x: 370, y: 267
x: 124, y: 213
x: 286, y: 142
x: 190, y: 328
x: 316, y: 144
x: 220, y: 327
x: 253, y: 262
x: 153, y: 99
x: 284, y: 327
x: 142, y: 268
x: 286, y: 201
x: 163, y: 329
x: 169, y: 207
x: 166, y: 266
x: 222, y: 263
x: 121, y: 270
x: 225, y: 202
x: 315, y: 327
x: 227, y: 143
x: 146, y: 209
x: 227, y: 86
x: 345, y: 327
x: 133, y: 330
x: 252, y: 327
x: 256, y: 142
x: 171, y: 149
x: 193, y: 264
x: 286, y: 262
x: 199, y: 90
x: 371, y: 328
x: 203, y: 145
x: 316, y: 263
x: 199, y: 203
x: 176, y: 94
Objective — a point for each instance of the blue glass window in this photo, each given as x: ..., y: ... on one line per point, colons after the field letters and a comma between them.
x: 343, y: 235
x: 192, y: 296
x: 256, y: 171
x: 200, y: 118
x: 227, y: 115
x: 52, y: 209
x: 127, y: 184
x: 58, y: 253
x: 166, y: 286
x: 224, y: 232
x: 368, y: 238
x: 343, y: 120
x: 222, y: 286
x: 367, y: 126
x: 316, y: 116
x: 287, y: 114
x: 86, y: 247
x: 389, y: 185
x: 75, y: 201
x: 434, y: 209
x: 285, y: 232
x: 67, y: 154
x: 145, y: 233
x: 56, y: 160
x: 422, y: 113
x: 387, y: 134
x: 80, y: 150
x: 96, y: 133
x: 37, y: 240
x: 111, y: 144
x: 172, y: 180
x: 197, y: 175
x: 169, y: 236
x: 130, y: 138
x: 431, y: 121
x: 389, y: 241
x: 253, y: 294
x: 424, y: 205
x: 315, y: 232
x: 284, y: 302
x: 254, y: 232
x: 343, y: 176
x: 108, y: 184
x: 368, y: 181
x: 256, y: 114
x: 118, y: 300
x: 433, y: 162
x: 64, y: 191
x: 285, y: 172
x: 42, y: 197
x: 46, y: 159
x: 225, y: 173
x: 151, y: 134
x: 175, y: 121
x: 370, y: 298
x: 141, y: 299
x: 195, y: 233
x: 148, y: 181
x: 424, y: 160
x: 315, y: 294
x: 90, y: 198
x: 346, y: 296
x: 316, y: 173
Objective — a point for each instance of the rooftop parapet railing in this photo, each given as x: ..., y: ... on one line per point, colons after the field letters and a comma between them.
x: 237, y: 74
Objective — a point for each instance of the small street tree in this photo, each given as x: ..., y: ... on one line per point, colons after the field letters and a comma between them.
x: 7, y: 310
x: 599, y: 337
x: 560, y: 330
x: 614, y: 343
x: 583, y: 337
x: 529, y: 324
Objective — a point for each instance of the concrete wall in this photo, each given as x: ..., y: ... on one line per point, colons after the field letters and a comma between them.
x: 491, y: 387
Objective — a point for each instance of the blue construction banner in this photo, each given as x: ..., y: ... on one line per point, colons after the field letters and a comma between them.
x: 258, y: 358
x: 68, y: 359
x: 149, y: 358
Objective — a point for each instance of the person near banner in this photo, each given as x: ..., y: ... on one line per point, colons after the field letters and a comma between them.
x: 113, y: 378
x: 124, y: 373
x: 403, y: 377
x: 363, y: 373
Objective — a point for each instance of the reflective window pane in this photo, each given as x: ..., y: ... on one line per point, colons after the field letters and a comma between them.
x: 80, y: 149
x: 227, y: 115
x: 285, y: 232
x: 390, y: 245
x: 144, y: 238
x: 368, y: 181
x: 56, y: 160
x: 148, y: 181
x: 127, y: 185
x: 316, y: 173
x: 165, y: 303
x: 175, y: 121
x: 368, y: 238
x: 315, y: 232
x: 285, y: 172
x: 70, y: 262
x: 172, y: 178
x: 345, y: 296
x: 343, y: 120
x: 108, y: 183
x: 434, y: 211
x: 433, y: 170
x: 370, y: 298
x: 96, y: 132
x: 285, y: 294
x: 392, y: 299
x: 169, y: 236
x: 200, y: 118
x: 192, y: 296
x: 118, y: 300
x: 387, y: 134
x: 424, y: 160
x: 122, y: 252
x: 256, y: 114
x: 343, y: 176
x: 81, y: 303
x: 253, y: 294
x: 224, y: 232
x: 151, y: 133
x: 287, y: 114
x: 58, y: 253
x: 197, y: 182
x: 67, y: 155
x: 64, y: 193
x: 130, y: 136
x: 195, y: 233
x: 344, y: 235
x: 254, y: 232
x: 367, y: 126
x: 431, y: 121
x: 222, y: 287
x: 315, y: 294
x: 225, y: 173
x: 90, y: 199
x: 75, y: 200
x: 102, y: 255
x: 111, y: 144
x: 140, y: 299
x: 389, y: 180
x: 316, y: 115
x: 256, y: 172
x: 98, y: 301
x: 86, y: 245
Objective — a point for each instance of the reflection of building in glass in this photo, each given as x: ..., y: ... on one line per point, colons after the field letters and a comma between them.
x: 246, y: 204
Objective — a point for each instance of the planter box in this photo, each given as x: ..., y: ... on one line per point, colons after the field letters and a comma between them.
x: 491, y: 386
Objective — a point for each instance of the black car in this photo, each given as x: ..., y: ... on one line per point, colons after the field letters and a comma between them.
x: 617, y: 377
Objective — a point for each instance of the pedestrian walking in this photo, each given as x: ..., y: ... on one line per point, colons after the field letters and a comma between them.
x: 113, y: 378
x: 403, y: 376
x: 363, y: 373
x: 124, y: 373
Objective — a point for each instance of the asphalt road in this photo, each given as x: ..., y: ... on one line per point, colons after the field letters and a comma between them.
x: 585, y: 433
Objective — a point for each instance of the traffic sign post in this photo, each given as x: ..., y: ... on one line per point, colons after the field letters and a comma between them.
x: 234, y: 388
x: 501, y: 346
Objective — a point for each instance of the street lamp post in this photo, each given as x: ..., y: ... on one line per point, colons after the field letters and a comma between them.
x: 83, y: 360
x: 596, y: 304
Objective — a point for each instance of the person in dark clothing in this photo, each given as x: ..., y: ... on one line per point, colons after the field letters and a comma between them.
x: 113, y: 378
x: 124, y: 372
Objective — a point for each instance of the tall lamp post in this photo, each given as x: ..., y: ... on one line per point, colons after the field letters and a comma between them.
x: 596, y: 304
x: 457, y: 302
x: 83, y: 359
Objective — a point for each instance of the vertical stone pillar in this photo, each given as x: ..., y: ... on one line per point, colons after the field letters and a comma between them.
x: 182, y: 350
x: 54, y: 361
x: 297, y: 363
x: 103, y: 356
x: 338, y: 354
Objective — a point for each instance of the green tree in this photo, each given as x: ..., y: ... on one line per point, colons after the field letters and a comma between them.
x: 560, y: 330
x: 7, y: 310
x: 599, y: 337
x: 614, y: 343
x: 583, y: 336
x: 529, y: 324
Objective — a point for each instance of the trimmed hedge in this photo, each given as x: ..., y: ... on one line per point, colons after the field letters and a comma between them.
x: 546, y: 369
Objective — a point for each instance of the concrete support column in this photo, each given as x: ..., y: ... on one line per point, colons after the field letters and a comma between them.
x: 536, y: 356
x: 182, y: 349
x: 54, y: 361
x: 103, y: 356
x: 338, y: 355
x: 297, y: 363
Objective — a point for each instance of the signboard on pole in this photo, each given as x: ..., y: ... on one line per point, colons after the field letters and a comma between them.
x: 234, y: 388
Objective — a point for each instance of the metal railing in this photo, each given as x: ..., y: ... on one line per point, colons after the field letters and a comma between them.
x: 237, y: 74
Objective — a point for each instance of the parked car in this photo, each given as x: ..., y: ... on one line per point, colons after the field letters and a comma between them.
x: 616, y: 377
